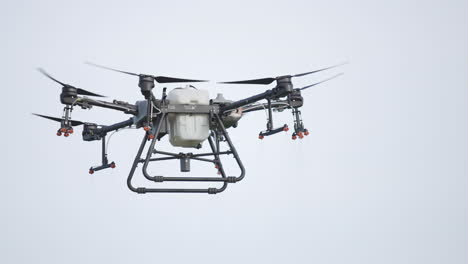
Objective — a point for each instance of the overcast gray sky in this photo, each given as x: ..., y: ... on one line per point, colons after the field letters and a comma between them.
x: 381, y: 178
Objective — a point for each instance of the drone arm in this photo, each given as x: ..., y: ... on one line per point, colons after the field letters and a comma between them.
x: 117, y: 126
x: 120, y: 106
x: 262, y: 106
x: 246, y: 101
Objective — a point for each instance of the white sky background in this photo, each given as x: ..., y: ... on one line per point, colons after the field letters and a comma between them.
x: 381, y: 178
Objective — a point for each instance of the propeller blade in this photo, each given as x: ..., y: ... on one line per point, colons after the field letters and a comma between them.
x: 72, y: 122
x: 270, y: 80
x: 253, y: 81
x: 111, y: 69
x: 164, y: 79
x: 159, y: 79
x: 84, y: 92
x: 323, y: 69
x: 78, y: 90
x: 328, y: 79
x: 50, y: 77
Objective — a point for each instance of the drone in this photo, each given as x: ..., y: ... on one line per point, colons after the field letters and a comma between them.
x: 188, y: 118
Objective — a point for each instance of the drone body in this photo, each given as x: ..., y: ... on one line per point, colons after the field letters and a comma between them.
x: 188, y: 118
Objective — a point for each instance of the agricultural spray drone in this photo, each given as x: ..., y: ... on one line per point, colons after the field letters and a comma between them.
x: 188, y: 117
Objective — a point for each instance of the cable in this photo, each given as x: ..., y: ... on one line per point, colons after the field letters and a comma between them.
x: 110, y: 136
x: 154, y: 106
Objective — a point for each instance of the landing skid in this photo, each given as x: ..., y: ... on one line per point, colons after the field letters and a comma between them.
x: 217, y: 135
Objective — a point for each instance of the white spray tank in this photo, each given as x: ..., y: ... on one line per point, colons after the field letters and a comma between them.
x: 188, y: 130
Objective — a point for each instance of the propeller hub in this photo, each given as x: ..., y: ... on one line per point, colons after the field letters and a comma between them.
x: 284, y: 84
x: 146, y: 83
x: 68, y: 95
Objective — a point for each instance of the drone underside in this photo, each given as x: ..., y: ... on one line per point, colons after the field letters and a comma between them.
x: 188, y: 118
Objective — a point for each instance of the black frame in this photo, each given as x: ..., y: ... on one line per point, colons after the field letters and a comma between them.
x: 215, y: 138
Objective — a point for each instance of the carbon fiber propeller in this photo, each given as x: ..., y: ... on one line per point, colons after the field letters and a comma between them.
x: 78, y: 90
x: 159, y: 79
x: 71, y: 122
x: 317, y: 83
x: 269, y: 80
